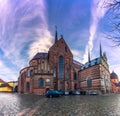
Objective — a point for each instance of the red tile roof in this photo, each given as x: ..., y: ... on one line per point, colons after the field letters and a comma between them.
x: 2, y: 81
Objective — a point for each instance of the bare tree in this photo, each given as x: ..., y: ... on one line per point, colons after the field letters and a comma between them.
x: 113, y: 16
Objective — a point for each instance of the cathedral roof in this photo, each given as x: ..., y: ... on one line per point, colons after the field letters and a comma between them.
x: 113, y: 75
x: 40, y: 55
x: 78, y: 63
x: 93, y: 62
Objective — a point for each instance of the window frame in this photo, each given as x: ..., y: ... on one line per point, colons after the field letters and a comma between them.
x: 61, y: 67
x: 89, y: 82
x: 41, y: 82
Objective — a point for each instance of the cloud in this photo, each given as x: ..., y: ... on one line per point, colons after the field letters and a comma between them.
x: 44, y: 39
x: 97, y: 12
x: 77, y: 55
x: 23, y: 30
x: 4, y: 70
x: 42, y: 44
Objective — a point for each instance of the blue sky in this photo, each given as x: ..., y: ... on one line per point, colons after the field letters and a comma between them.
x: 28, y: 27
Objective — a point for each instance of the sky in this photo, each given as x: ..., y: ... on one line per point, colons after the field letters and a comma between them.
x: 28, y: 27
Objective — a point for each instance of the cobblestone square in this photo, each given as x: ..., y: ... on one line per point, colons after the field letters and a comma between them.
x: 36, y: 105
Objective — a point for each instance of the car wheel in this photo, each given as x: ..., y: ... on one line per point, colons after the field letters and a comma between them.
x: 51, y: 96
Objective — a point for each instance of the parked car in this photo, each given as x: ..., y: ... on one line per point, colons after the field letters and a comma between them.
x: 53, y: 93
x: 93, y: 93
x: 66, y: 92
x: 70, y: 92
x: 75, y: 93
x: 83, y: 92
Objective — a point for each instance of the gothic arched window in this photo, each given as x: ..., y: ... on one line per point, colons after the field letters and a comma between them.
x: 41, y: 82
x: 61, y: 67
x: 54, y: 72
x: 28, y: 86
x: 75, y: 76
x: 67, y: 73
x: 28, y: 73
x: 75, y: 86
x: 103, y: 79
x: 61, y: 86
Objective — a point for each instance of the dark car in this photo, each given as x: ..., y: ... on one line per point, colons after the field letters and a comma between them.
x: 66, y: 92
x: 53, y: 93
x: 75, y: 93
x: 93, y: 93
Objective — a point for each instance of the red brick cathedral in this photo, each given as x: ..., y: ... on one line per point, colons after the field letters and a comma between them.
x: 57, y: 70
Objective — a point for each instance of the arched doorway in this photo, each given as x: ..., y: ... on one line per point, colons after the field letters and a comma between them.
x: 16, y: 89
x: 75, y: 86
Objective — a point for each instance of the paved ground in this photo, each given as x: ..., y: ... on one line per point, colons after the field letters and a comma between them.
x: 35, y: 105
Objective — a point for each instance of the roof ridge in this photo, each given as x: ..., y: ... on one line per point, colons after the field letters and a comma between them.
x: 40, y: 55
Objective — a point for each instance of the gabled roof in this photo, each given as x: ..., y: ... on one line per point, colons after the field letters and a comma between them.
x: 2, y: 81
x: 61, y: 40
x: 40, y: 55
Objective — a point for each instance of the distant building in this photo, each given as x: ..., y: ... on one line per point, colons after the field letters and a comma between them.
x: 1, y: 82
x: 57, y: 69
x: 14, y: 85
x: 8, y: 86
x: 115, y: 82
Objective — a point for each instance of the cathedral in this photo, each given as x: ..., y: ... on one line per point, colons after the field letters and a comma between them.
x: 56, y: 69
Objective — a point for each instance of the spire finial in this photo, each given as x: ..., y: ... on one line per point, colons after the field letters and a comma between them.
x: 56, y: 38
x: 100, y: 50
x: 61, y: 36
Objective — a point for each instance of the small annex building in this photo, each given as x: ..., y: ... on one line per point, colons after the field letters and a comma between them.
x: 94, y: 76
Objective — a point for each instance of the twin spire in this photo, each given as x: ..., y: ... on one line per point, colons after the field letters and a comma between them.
x: 56, y: 37
x: 100, y: 50
x: 89, y: 52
